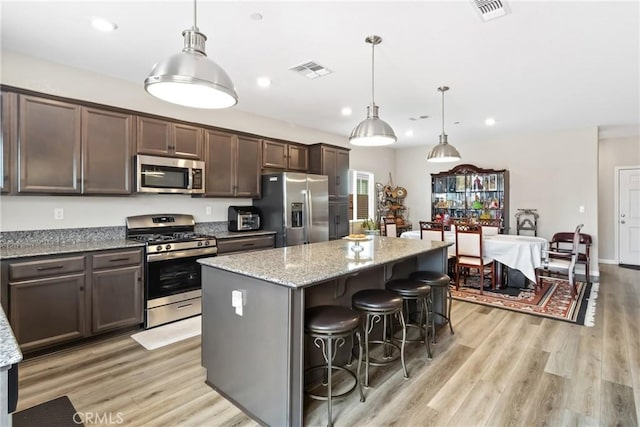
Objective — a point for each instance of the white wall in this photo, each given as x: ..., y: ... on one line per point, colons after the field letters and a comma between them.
x: 555, y: 173
x: 614, y: 152
x: 380, y: 161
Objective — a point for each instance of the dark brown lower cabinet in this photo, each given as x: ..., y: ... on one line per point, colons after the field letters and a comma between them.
x: 48, y: 311
x: 116, y: 290
x: 59, y: 299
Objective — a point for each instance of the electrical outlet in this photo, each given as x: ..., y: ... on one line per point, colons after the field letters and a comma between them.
x: 58, y: 213
x: 208, y: 210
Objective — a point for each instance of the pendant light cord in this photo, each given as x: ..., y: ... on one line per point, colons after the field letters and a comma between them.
x: 373, y: 47
x: 443, y: 112
x: 195, y: 15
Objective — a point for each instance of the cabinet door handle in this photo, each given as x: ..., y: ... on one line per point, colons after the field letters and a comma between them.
x: 53, y: 267
x: 82, y: 288
x: 249, y: 244
x: 338, y: 180
x: 337, y: 219
x: 119, y: 259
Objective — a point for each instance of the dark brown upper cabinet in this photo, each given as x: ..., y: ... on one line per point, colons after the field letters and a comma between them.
x: 49, y: 146
x: 9, y: 122
x: 282, y: 155
x: 165, y: 138
x: 333, y: 162
x: 70, y: 149
x: 233, y: 165
x: 107, y: 147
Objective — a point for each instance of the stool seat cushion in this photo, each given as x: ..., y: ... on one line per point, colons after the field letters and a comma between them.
x: 408, y: 287
x: 376, y: 300
x: 431, y: 278
x: 330, y: 319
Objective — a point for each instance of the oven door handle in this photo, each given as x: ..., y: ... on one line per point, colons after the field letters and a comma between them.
x: 181, y: 254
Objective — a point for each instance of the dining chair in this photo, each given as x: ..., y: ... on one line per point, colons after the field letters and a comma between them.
x: 469, y: 255
x: 390, y: 228
x: 432, y: 230
x: 562, y: 244
x: 490, y: 227
x: 554, y: 262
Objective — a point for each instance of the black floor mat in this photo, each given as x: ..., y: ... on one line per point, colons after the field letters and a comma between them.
x: 54, y: 413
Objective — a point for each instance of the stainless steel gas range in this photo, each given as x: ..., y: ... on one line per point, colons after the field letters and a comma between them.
x: 173, y: 285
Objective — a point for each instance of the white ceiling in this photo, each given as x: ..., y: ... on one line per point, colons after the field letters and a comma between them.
x: 545, y: 66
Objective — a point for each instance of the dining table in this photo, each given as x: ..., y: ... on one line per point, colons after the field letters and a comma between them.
x: 523, y: 253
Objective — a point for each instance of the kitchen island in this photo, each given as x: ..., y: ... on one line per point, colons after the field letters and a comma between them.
x: 253, y: 345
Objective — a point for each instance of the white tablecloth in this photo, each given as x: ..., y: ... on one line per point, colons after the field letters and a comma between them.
x: 523, y: 253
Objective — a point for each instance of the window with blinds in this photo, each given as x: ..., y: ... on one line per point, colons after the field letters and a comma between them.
x: 361, y: 190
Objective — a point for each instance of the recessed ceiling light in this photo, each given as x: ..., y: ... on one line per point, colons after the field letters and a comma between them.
x: 256, y: 16
x: 490, y: 121
x: 408, y: 133
x: 346, y: 111
x: 103, y: 25
x: 264, y: 81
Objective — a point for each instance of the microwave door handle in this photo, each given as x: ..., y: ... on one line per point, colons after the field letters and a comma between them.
x: 190, y: 184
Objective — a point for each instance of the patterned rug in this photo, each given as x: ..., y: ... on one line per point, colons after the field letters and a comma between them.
x: 553, y: 301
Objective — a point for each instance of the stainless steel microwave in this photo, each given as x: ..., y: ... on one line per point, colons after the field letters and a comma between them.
x: 169, y: 175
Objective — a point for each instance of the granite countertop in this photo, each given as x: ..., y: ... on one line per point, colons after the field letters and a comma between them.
x: 10, y: 252
x: 9, y: 351
x: 237, y: 234
x: 302, y: 265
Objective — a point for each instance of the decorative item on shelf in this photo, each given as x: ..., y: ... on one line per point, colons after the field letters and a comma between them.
x: 191, y: 79
x: 443, y: 152
x: 372, y: 131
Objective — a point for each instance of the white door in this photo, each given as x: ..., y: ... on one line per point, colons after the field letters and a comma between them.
x: 629, y: 216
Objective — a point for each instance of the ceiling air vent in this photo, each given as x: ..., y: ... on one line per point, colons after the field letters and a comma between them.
x: 490, y: 9
x: 311, y: 70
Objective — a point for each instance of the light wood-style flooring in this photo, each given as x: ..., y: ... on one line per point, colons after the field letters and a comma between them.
x: 499, y: 369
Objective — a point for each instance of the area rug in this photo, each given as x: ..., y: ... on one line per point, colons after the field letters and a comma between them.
x: 54, y: 413
x: 553, y: 301
x: 161, y: 336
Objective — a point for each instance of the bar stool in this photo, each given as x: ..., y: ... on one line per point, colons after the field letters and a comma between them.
x: 380, y: 304
x: 420, y: 292
x: 437, y: 281
x: 329, y: 325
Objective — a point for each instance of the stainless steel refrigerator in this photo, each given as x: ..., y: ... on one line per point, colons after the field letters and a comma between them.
x: 296, y: 207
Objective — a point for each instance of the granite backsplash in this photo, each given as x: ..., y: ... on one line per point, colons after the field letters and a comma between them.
x: 10, y: 239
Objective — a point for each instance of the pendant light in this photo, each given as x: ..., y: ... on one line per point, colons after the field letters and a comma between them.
x: 372, y: 131
x: 191, y: 79
x: 443, y: 152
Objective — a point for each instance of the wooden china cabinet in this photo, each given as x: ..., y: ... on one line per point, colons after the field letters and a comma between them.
x: 468, y: 192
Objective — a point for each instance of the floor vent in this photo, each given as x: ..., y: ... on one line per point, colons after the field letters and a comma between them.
x: 490, y: 9
x: 311, y: 70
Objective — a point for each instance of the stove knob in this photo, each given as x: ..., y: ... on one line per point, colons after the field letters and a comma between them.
x: 167, y: 247
x: 206, y: 243
x: 158, y: 248
x: 199, y: 244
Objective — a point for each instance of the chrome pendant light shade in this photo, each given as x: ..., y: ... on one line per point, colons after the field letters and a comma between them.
x: 372, y: 131
x: 443, y: 152
x: 190, y: 78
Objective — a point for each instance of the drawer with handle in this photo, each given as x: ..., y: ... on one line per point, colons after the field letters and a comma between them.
x: 45, y: 268
x: 244, y: 244
x: 117, y: 259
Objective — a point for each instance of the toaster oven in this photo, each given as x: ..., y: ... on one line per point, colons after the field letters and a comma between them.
x: 244, y: 218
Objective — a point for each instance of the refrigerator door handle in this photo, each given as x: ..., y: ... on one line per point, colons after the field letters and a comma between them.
x: 309, y: 214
